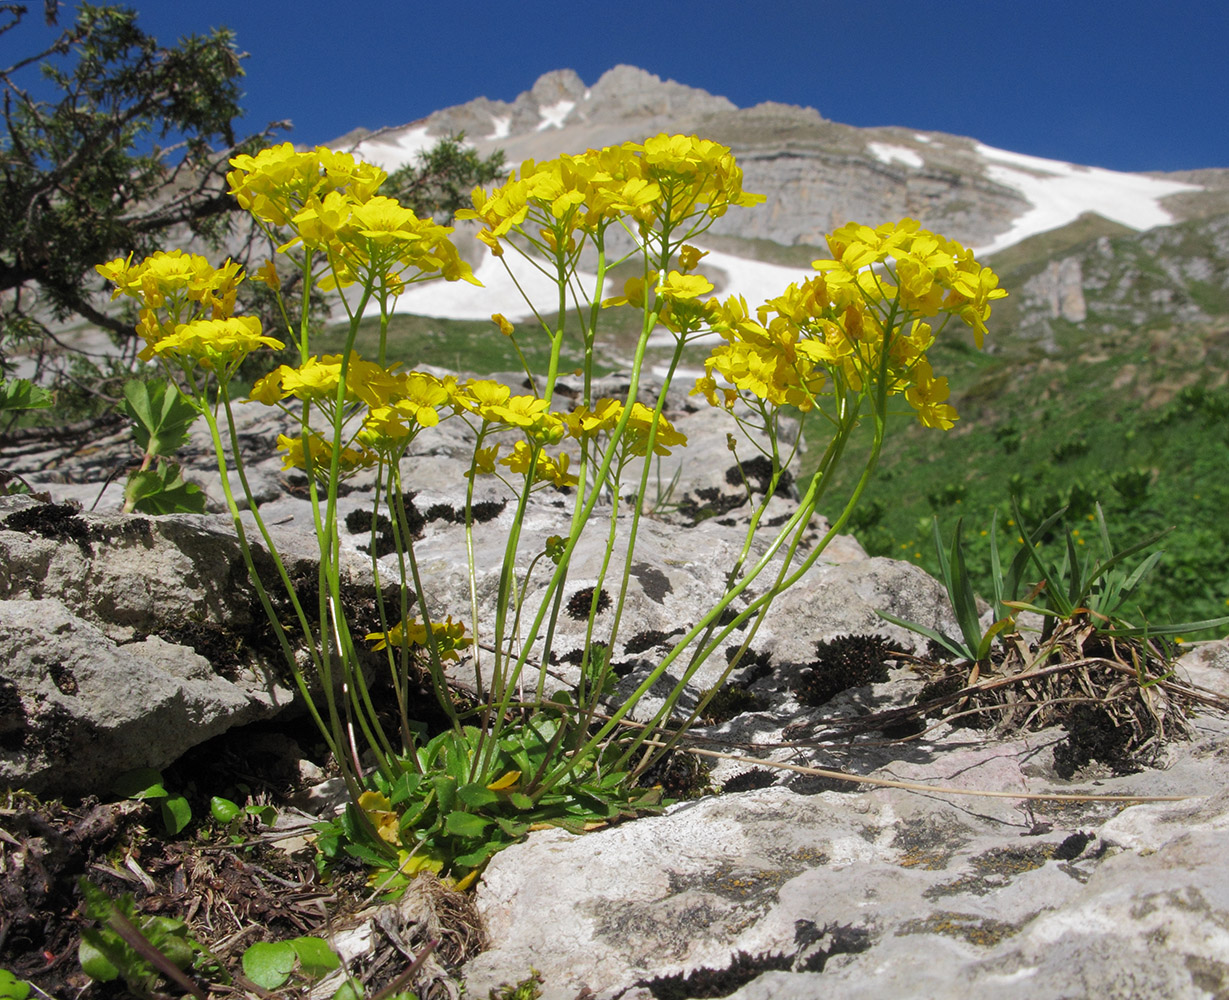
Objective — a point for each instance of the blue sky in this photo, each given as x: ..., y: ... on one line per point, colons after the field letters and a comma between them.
x: 1124, y: 84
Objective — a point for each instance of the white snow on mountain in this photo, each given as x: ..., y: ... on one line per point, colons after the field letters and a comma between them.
x: 752, y: 279
x: 501, y: 127
x: 1061, y: 192
x: 885, y: 152
x: 394, y: 148
x: 554, y: 115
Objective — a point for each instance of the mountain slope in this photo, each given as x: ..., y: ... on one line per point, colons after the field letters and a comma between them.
x: 816, y: 174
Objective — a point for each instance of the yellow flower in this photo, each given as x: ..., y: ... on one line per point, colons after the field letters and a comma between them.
x: 379, y: 811
x: 484, y: 461
x: 505, y: 327
x: 689, y: 257
x: 350, y: 460
x: 268, y: 275
x: 213, y: 343
x: 449, y: 637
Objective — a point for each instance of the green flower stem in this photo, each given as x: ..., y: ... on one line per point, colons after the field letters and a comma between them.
x: 560, y: 573
x: 332, y: 732
x: 439, y: 681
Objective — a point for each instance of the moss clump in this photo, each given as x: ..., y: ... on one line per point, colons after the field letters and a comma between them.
x: 844, y: 662
x: 579, y: 603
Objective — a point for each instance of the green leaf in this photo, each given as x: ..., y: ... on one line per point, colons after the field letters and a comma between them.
x: 269, y: 964
x: 140, y: 783
x: 478, y: 857
x: 445, y: 792
x: 476, y: 795
x: 22, y: 394
x: 464, y: 824
x: 315, y: 956
x: 951, y: 645
x: 176, y: 813
x: 94, y: 963
x: 404, y: 787
x: 351, y: 989
x: 170, y: 936
x: 162, y: 490
x: 161, y: 414
x: 223, y: 810
x: 519, y: 800
x: 12, y: 988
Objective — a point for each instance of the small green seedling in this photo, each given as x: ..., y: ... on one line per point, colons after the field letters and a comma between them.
x: 146, y: 783
x: 233, y: 817
x: 136, y: 948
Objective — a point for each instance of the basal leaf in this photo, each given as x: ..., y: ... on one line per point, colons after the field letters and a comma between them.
x: 12, y: 988
x: 464, y: 824
x: 315, y: 956
x: 140, y: 783
x: 176, y: 813
x: 477, y: 795
x: 268, y: 964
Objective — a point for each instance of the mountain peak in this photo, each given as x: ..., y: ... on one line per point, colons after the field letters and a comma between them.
x: 816, y: 174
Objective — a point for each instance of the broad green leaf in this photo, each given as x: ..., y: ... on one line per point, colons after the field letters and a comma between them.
x: 170, y: 936
x: 404, y: 787
x: 465, y: 824
x: 315, y: 956
x: 12, y: 988
x: 478, y: 857
x: 140, y: 783
x: 445, y: 792
x: 476, y: 795
x: 223, y: 810
x: 162, y: 416
x: 22, y: 394
x: 94, y: 963
x: 176, y: 813
x: 351, y: 989
x: 269, y: 964
x: 520, y: 800
x: 162, y: 490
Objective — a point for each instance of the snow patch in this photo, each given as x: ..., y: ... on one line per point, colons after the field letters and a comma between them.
x: 923, y: 138
x: 1060, y: 192
x: 886, y: 153
x: 554, y: 115
x: 501, y: 127
x: 753, y: 279
x: 392, y: 151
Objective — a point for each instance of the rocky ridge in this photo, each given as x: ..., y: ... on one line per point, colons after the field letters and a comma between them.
x: 817, y: 174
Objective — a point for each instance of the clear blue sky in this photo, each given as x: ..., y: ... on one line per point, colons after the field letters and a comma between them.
x: 1123, y: 84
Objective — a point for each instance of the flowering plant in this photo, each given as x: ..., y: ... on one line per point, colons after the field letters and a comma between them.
x: 835, y: 350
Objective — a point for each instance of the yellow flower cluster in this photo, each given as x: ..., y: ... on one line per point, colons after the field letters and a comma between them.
x: 677, y: 298
x: 395, y: 406
x: 858, y: 323
x: 186, y: 308
x: 934, y: 274
x: 659, y: 184
x: 585, y: 424
x: 349, y: 459
x: 328, y: 200
x: 449, y: 637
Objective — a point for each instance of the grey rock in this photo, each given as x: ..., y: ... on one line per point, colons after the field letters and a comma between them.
x: 81, y: 708
x: 883, y: 893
